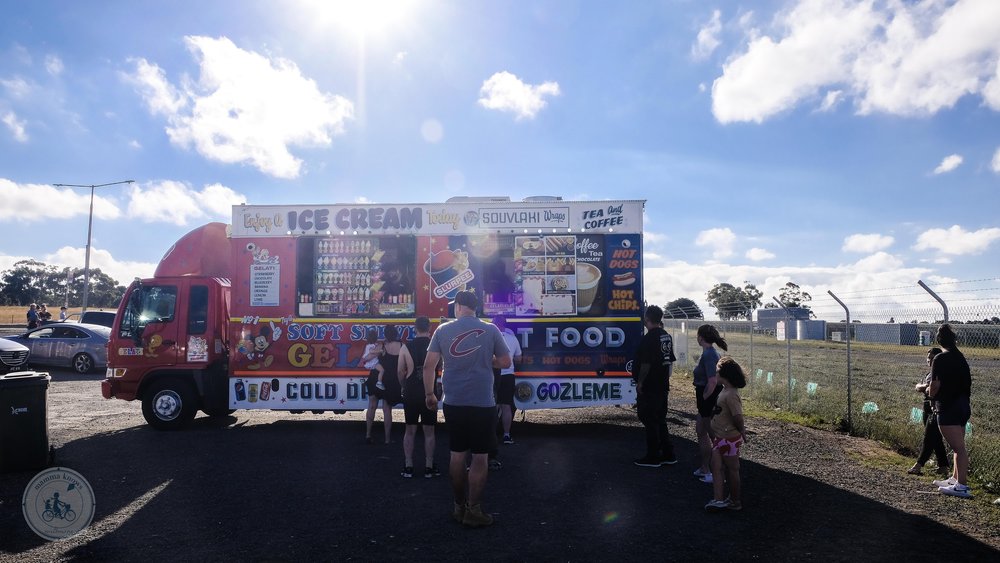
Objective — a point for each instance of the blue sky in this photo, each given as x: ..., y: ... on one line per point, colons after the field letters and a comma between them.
x: 844, y: 145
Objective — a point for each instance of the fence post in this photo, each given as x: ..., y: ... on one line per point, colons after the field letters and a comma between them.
x: 788, y: 347
x: 847, y: 330
x: 935, y: 296
x: 749, y: 312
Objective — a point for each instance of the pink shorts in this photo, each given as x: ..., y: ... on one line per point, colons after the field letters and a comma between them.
x: 729, y: 447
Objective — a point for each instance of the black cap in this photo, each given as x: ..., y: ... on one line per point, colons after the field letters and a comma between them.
x: 466, y: 298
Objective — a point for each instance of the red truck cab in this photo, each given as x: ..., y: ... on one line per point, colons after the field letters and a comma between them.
x: 168, y: 346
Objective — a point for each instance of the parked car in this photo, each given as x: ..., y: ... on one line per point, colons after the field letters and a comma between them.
x: 13, y: 356
x: 103, y: 318
x: 83, y: 347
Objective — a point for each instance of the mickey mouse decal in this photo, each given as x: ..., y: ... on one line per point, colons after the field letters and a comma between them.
x: 254, y: 346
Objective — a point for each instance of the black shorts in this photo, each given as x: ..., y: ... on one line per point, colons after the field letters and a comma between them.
x: 504, y: 388
x: 956, y: 413
x: 471, y: 428
x: 706, y: 406
x: 370, y: 384
x: 415, y: 411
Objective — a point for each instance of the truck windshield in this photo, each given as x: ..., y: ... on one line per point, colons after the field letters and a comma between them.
x: 148, y: 304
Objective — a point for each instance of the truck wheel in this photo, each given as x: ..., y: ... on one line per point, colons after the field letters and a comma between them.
x: 168, y: 404
x: 82, y: 363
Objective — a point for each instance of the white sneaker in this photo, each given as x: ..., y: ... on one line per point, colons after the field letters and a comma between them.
x: 699, y: 473
x: 714, y: 505
x: 707, y: 478
x: 944, y: 482
x: 956, y: 490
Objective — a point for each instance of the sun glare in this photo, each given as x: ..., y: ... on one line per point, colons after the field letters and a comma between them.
x: 364, y: 18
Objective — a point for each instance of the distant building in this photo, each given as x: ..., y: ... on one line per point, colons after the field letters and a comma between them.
x: 767, y: 319
x: 906, y: 334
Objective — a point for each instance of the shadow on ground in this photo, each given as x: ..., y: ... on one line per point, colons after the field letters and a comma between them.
x: 302, y: 488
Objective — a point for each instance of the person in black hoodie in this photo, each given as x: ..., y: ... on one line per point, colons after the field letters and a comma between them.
x: 933, y: 443
x: 651, y: 369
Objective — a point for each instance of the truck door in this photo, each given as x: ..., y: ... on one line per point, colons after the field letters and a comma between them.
x: 151, y: 321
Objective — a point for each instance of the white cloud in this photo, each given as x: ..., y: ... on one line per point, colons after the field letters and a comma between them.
x: 867, y: 243
x: 17, y: 87
x: 151, y: 82
x: 948, y: 164
x: 16, y: 126
x: 995, y: 164
x: 58, y: 203
x: 956, y: 241
x: 708, y: 37
x: 904, y: 58
x: 854, y: 283
x: 175, y: 202
x: 53, y: 65
x: 506, y: 92
x: 759, y: 254
x: 719, y: 240
x: 122, y: 271
x: 831, y: 100
x: 134, y: 144
x: 400, y: 58
x: 244, y: 107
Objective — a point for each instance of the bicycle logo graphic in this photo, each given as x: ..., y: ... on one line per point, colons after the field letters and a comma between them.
x: 58, y: 503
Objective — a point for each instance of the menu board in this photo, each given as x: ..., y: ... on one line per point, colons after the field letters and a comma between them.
x: 546, y: 273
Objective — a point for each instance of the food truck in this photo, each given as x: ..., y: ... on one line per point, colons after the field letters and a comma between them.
x: 272, y: 311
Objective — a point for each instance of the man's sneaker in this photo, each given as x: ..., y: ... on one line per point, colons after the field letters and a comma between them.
x: 945, y: 482
x: 648, y: 461
x: 716, y: 505
x: 407, y: 471
x: 707, y: 478
x: 699, y: 473
x: 917, y: 469
x: 668, y: 460
x: 432, y: 471
x: 956, y: 490
x: 458, y: 513
x: 507, y: 439
x: 476, y: 518
x: 495, y: 464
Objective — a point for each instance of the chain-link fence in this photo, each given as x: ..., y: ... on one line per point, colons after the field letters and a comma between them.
x: 855, y: 359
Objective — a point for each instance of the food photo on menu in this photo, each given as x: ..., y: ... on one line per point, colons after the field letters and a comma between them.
x: 546, y: 275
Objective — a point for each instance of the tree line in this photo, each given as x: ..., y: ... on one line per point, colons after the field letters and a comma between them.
x: 31, y: 281
x: 733, y: 303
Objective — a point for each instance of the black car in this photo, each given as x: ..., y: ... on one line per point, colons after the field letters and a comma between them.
x: 13, y: 356
x: 103, y: 318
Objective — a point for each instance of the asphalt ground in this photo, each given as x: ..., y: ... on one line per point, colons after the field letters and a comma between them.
x: 272, y: 486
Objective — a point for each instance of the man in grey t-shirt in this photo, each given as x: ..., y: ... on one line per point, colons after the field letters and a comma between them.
x: 470, y: 349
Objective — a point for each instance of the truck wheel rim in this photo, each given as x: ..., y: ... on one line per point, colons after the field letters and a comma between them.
x: 167, y: 405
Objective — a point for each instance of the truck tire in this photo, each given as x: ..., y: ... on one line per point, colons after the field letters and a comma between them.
x: 83, y: 364
x: 169, y: 404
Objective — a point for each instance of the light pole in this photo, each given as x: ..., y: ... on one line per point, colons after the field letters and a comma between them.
x: 90, y: 228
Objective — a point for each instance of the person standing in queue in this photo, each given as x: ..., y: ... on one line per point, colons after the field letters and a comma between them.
x: 933, y: 443
x: 470, y: 350
x: 652, y: 367
x: 505, y: 378
x: 951, y: 388
x: 411, y: 365
x: 707, y: 389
